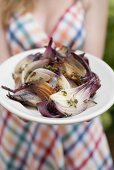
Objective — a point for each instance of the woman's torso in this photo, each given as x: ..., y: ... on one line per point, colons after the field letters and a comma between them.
x: 32, y: 30
x: 49, y: 14
x: 27, y: 145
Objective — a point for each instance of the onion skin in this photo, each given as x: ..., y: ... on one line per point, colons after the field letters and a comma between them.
x: 25, y: 97
x: 43, y: 90
x: 72, y: 102
x: 23, y: 86
x: 81, y: 94
x: 44, y: 109
x: 31, y: 67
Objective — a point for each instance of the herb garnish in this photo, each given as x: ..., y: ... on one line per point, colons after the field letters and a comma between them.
x: 72, y: 102
x: 64, y: 93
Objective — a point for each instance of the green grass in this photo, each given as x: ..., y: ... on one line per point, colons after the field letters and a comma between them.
x: 109, y: 49
x: 108, y: 117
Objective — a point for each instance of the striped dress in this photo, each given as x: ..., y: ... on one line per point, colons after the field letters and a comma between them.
x: 33, y: 146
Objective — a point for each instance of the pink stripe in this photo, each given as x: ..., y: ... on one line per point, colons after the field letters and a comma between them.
x: 17, y: 158
x: 19, y: 121
x: 4, y: 126
x: 75, y: 14
x: 91, y: 153
x: 61, y: 18
x: 47, y: 152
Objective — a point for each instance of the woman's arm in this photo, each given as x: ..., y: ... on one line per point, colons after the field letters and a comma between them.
x: 4, y: 54
x: 95, y: 25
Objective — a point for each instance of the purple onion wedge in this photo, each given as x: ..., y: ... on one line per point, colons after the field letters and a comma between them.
x: 48, y: 109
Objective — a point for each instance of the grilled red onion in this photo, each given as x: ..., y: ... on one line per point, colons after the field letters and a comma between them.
x: 48, y: 109
x: 57, y: 82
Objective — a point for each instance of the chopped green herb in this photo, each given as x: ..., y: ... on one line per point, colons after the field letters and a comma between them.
x: 52, y: 68
x: 67, y: 115
x: 72, y: 102
x: 64, y: 93
x: 88, y: 100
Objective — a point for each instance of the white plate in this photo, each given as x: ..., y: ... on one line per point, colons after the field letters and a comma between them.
x: 104, y: 96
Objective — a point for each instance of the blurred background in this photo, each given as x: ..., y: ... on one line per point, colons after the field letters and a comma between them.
x: 108, y: 117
